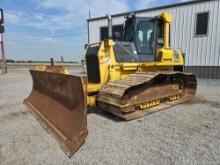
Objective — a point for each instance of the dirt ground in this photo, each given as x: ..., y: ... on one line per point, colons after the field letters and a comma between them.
x: 185, y: 134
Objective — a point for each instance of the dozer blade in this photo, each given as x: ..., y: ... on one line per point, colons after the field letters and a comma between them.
x: 58, y: 101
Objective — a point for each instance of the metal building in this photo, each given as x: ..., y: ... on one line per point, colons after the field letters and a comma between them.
x: 195, y: 30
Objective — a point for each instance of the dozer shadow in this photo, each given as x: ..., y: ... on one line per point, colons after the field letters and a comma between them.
x: 103, y: 113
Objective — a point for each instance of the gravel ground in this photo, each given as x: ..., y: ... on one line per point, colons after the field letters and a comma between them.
x: 185, y: 134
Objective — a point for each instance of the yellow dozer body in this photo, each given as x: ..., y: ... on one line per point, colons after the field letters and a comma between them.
x: 130, y: 78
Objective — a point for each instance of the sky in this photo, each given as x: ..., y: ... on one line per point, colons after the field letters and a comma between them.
x: 41, y: 29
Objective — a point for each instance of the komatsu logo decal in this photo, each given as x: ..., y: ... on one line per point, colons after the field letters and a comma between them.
x: 167, y: 59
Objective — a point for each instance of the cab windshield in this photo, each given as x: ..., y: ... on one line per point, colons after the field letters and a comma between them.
x: 146, y: 34
x: 144, y: 37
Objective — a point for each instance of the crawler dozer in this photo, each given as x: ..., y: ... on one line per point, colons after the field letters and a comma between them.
x: 130, y: 78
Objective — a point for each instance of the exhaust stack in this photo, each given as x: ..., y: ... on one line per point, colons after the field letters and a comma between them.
x: 109, y: 26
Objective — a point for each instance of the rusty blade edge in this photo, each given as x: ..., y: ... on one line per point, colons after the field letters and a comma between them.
x: 52, y: 130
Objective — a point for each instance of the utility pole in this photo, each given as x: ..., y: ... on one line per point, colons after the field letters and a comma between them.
x: 3, y: 67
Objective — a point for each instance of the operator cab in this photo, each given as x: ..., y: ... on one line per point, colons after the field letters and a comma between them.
x: 142, y: 37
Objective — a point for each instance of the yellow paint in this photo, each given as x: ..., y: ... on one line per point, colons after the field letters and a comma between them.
x: 149, y: 104
x: 91, y: 100
x: 53, y: 69
x: 111, y: 70
x: 173, y: 98
x: 167, y: 18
